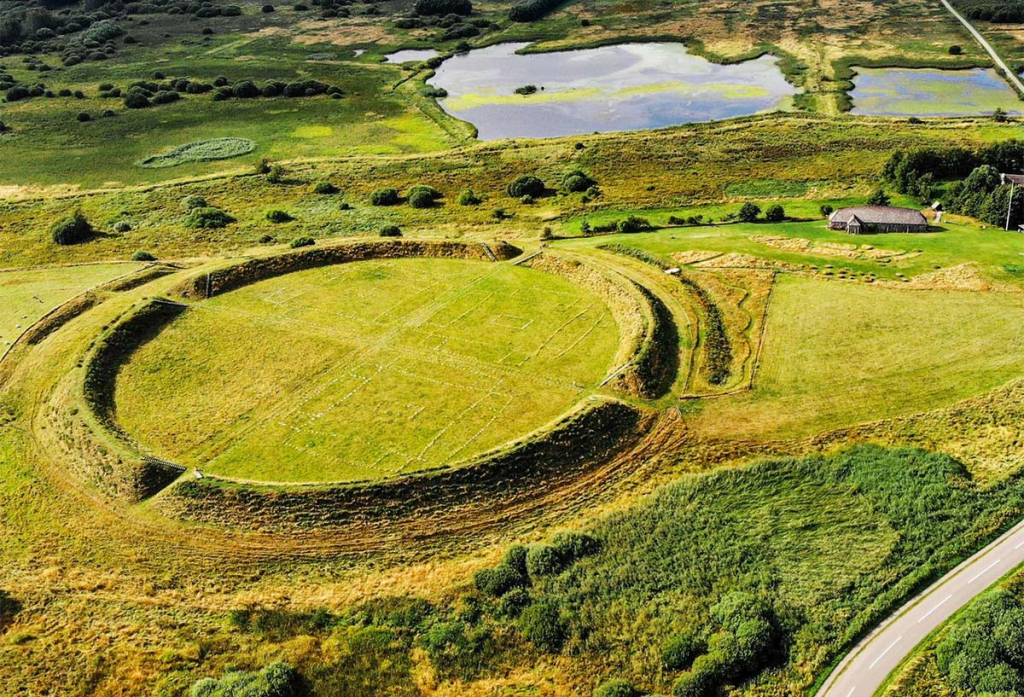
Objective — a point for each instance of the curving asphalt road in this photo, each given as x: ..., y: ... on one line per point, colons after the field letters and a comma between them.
x: 867, y: 666
x: 1010, y: 75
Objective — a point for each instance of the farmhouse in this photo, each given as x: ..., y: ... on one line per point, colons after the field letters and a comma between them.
x: 862, y: 220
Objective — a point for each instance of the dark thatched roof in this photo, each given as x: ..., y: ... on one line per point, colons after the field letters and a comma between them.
x: 880, y: 215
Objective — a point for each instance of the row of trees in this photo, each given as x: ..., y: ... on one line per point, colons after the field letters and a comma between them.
x: 984, y: 650
x: 1003, y: 11
x: 975, y: 191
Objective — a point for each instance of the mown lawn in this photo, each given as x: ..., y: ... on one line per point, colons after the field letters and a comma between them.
x: 366, y: 370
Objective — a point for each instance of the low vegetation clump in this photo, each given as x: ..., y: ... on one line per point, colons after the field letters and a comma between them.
x: 532, y: 10
x: 390, y: 231
x: 526, y: 185
x: 775, y: 214
x: 278, y: 216
x: 1000, y: 11
x: 749, y: 212
x: 577, y: 181
x: 324, y: 188
x: 143, y: 256
x: 467, y: 197
x: 983, y: 651
x: 302, y: 242
x: 431, y: 8
x: 526, y: 90
x: 201, y: 151
x: 71, y: 230
x: 191, y: 202
x: 387, y: 196
x: 207, y: 218
x: 422, y: 196
x: 9, y: 607
x: 276, y: 680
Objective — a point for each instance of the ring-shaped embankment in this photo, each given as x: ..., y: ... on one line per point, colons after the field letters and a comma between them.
x: 591, y: 434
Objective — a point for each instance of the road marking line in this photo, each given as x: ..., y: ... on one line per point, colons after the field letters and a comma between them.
x: 925, y: 615
x: 1019, y: 545
x: 852, y: 690
x: 874, y: 662
x: 986, y: 570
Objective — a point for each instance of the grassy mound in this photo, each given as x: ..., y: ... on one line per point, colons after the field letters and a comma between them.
x: 201, y: 151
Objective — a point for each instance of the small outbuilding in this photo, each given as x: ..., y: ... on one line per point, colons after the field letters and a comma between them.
x: 863, y: 220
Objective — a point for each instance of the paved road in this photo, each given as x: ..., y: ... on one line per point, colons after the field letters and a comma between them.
x: 867, y: 666
x: 1010, y: 75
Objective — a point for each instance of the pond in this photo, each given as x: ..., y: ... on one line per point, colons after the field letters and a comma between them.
x: 411, y: 55
x: 612, y: 88
x: 916, y: 92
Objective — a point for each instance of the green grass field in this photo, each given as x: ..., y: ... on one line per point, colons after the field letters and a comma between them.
x: 366, y: 370
x: 28, y: 295
x: 839, y: 353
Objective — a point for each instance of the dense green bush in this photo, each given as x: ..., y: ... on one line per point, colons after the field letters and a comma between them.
x: 324, y: 188
x: 616, y: 688
x: 749, y: 212
x: 984, y: 649
x: 385, y: 197
x: 192, y: 202
x: 775, y: 214
x: 577, y: 181
x: 468, y: 198
x: 531, y: 10
x: 390, y: 231
x: 543, y: 626
x: 276, y: 680
x: 207, y: 218
x: 526, y: 185
x: 422, y: 196
x: 679, y: 651
x: 71, y: 230
x: 143, y: 256
x: 302, y: 242
x: 879, y: 198
x: 633, y: 223
x: 510, y: 573
x: 1000, y: 11
x: 278, y: 216
x: 427, y: 8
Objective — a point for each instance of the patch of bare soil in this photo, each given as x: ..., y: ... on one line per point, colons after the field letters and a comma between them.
x: 966, y: 277
x: 841, y: 250
x: 747, y: 261
x: 694, y: 256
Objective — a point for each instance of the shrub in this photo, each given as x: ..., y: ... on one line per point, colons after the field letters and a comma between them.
x: 324, y: 188
x: 245, y: 89
x: 526, y: 90
x: 542, y: 625
x: 526, y: 185
x: 390, y: 231
x: 71, y: 230
x: 468, y: 198
x: 514, y: 602
x: 421, y: 199
x: 192, y: 201
x: 879, y: 198
x: 302, y: 242
x: 775, y: 214
x: 276, y: 174
x: 267, y: 239
x: 430, y: 191
x: 122, y: 226
x: 634, y: 223
x: 616, y: 688
x: 955, y: 50
x: 207, y: 218
x: 385, y: 197
x: 749, y: 212
x: 276, y: 216
x: 428, y: 8
x: 276, y: 680
x: 679, y: 651
x: 267, y: 9
x: 577, y: 181
x: 826, y: 210
x: 83, y: 117
x: 143, y: 256
x: 136, y: 100
x: 530, y: 10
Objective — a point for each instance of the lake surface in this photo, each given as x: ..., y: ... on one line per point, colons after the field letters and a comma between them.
x: 411, y: 55
x: 612, y: 88
x: 904, y: 92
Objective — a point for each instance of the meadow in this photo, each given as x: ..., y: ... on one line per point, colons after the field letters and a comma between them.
x: 365, y: 370
x: 29, y: 295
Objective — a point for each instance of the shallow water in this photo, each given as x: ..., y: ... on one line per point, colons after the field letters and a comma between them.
x: 411, y: 55
x: 906, y: 92
x: 612, y: 88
